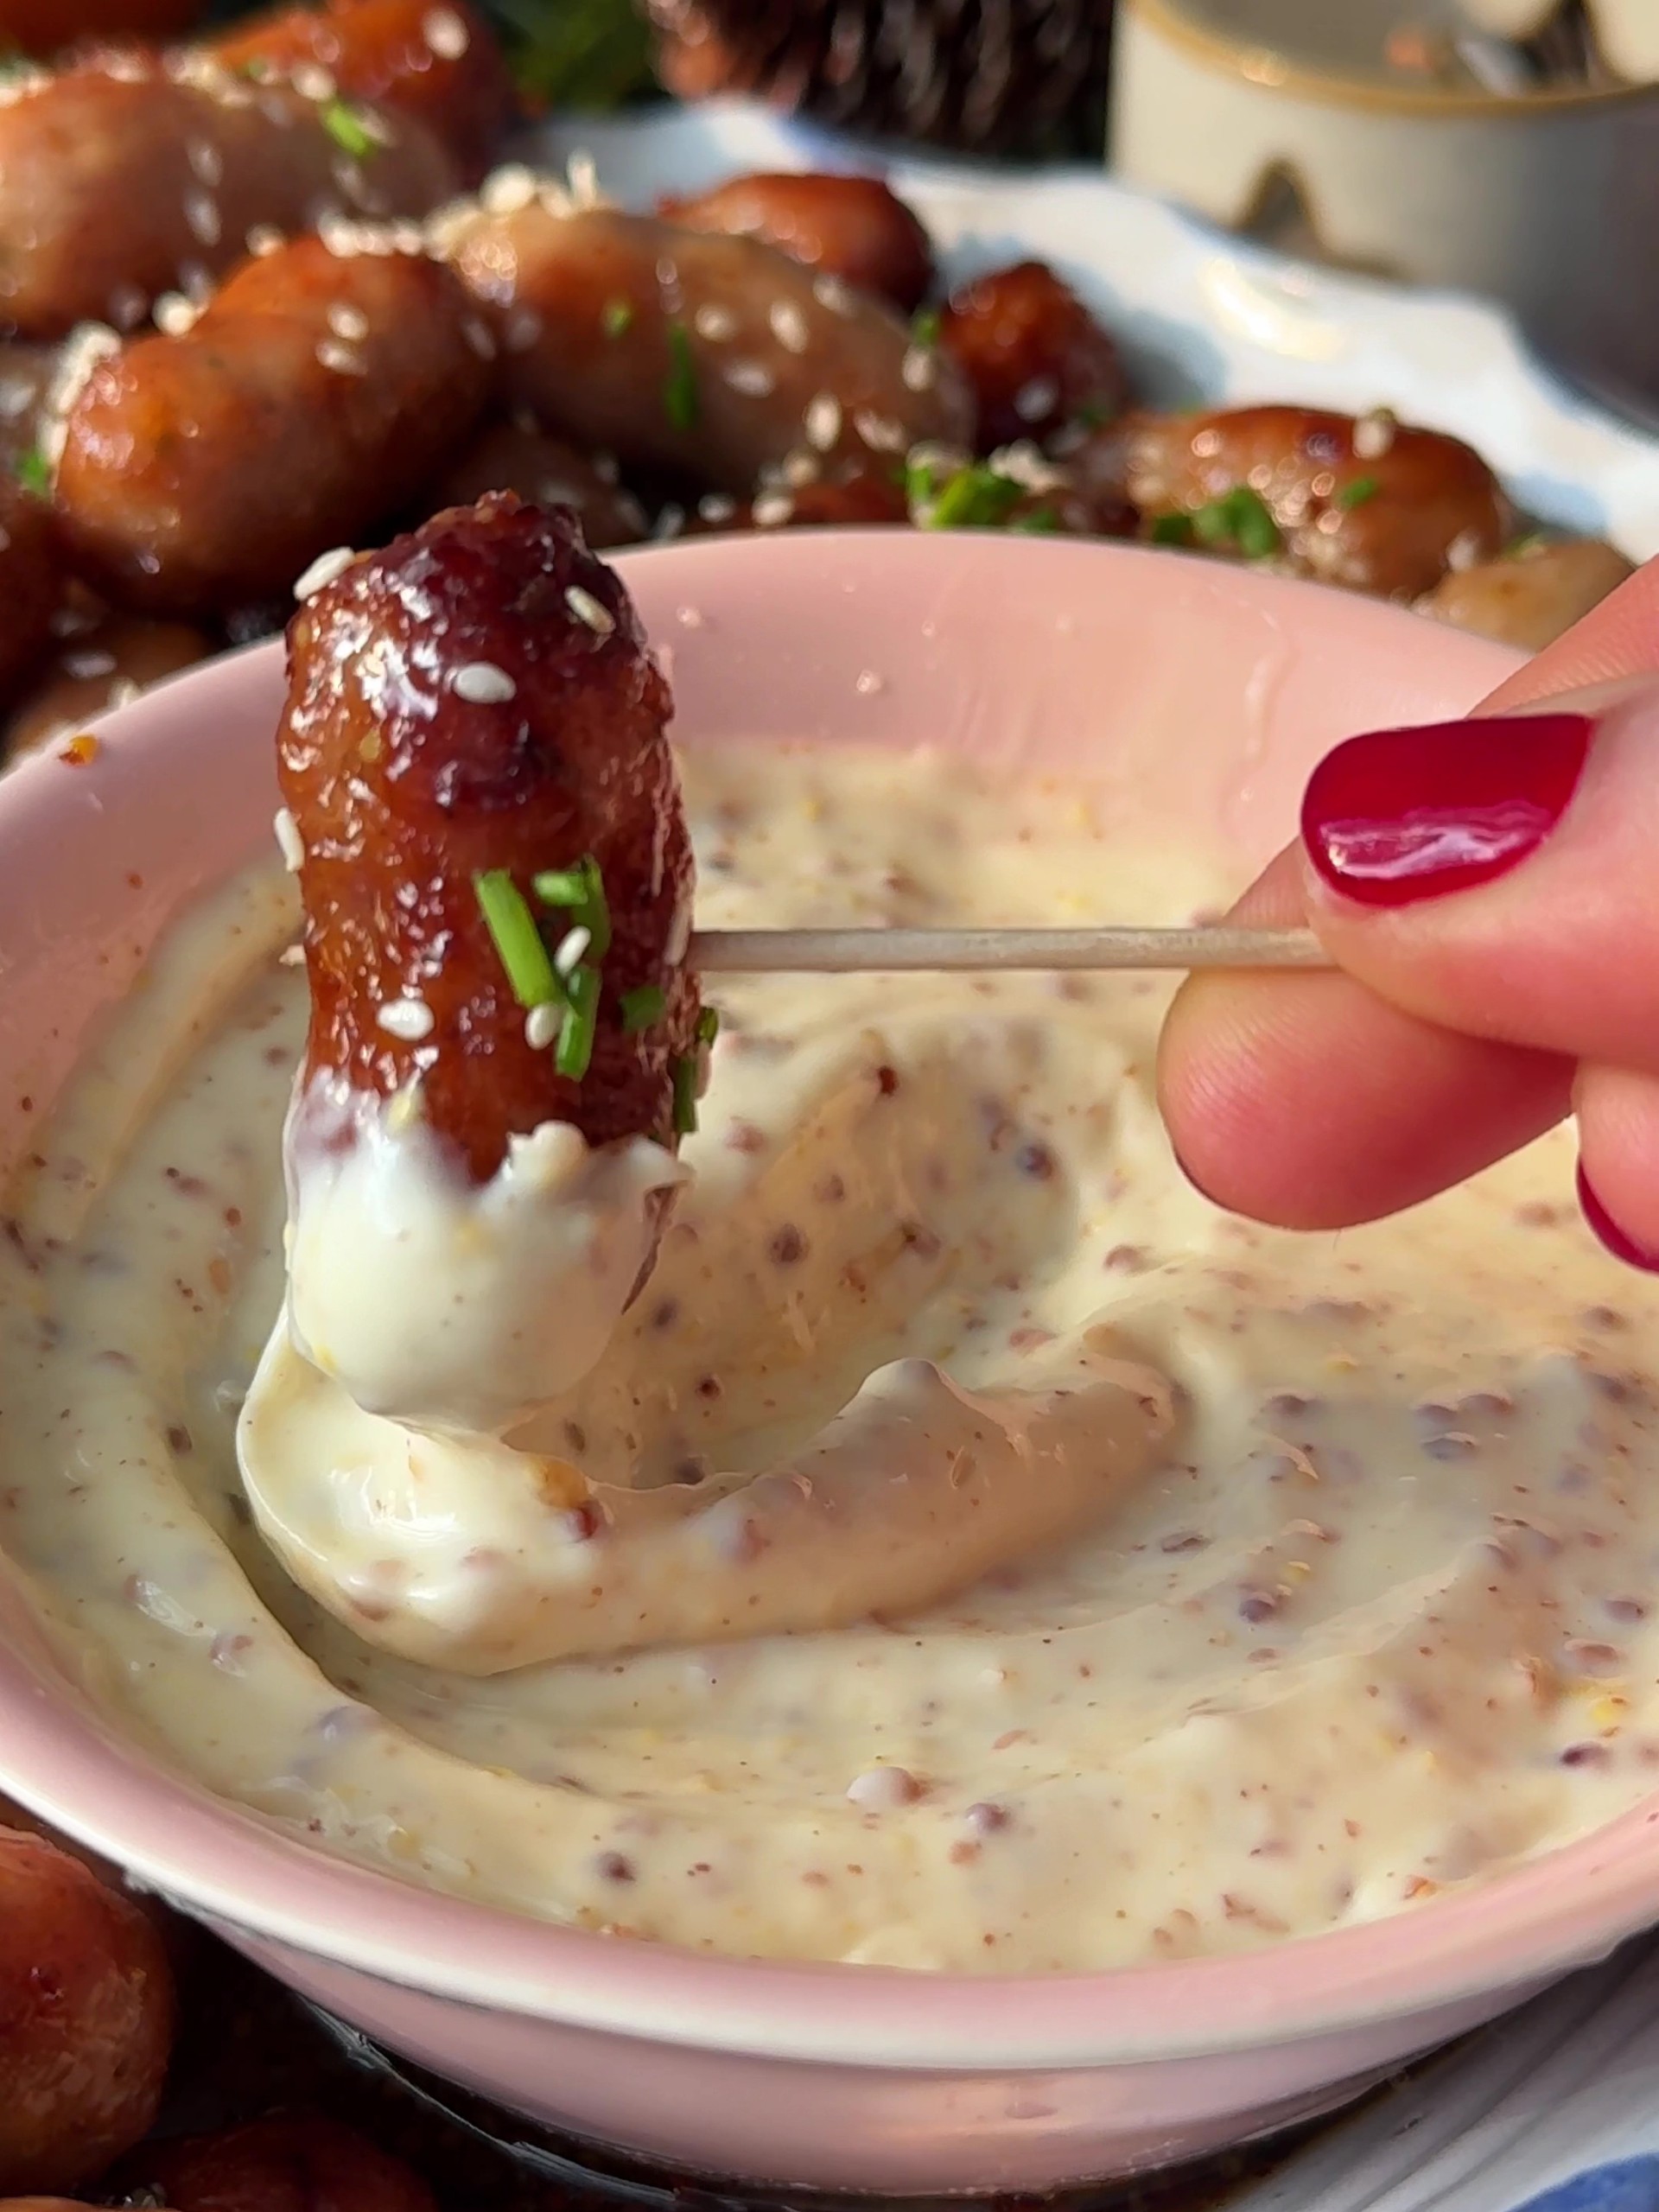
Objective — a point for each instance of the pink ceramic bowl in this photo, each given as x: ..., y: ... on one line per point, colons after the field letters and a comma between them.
x: 1211, y: 689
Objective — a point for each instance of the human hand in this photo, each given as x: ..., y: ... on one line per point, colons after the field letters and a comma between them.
x: 1491, y: 892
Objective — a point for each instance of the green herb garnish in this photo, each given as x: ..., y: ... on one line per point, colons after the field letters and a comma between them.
x: 1357, y: 494
x: 643, y: 1009
x: 686, y: 1095
x: 1533, y: 542
x: 975, y: 498
x: 1042, y: 522
x: 575, y: 1049
x: 34, y: 472
x: 924, y: 326
x: 580, y: 891
x: 517, y: 940
x: 1093, y: 415
x: 1240, y: 518
x: 347, y: 129
x: 680, y: 388
x: 1172, y: 530
x: 708, y: 1025
x: 617, y: 315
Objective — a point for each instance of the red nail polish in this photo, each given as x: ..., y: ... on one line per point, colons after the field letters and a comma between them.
x: 1608, y: 1231
x: 1405, y: 814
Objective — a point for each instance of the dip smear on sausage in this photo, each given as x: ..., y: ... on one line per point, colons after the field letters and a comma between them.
x: 1374, y: 1622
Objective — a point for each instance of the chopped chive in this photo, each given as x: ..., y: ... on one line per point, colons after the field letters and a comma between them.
x: 686, y: 1095
x: 924, y: 326
x: 1357, y: 494
x: 575, y: 1049
x: 617, y: 315
x: 1172, y: 530
x: 708, y: 1025
x: 1042, y: 522
x: 34, y: 472
x: 1533, y: 542
x: 1240, y: 518
x: 680, y: 389
x: 517, y: 940
x: 580, y: 890
x: 975, y: 498
x: 644, y: 1009
x: 1093, y: 415
x: 347, y: 129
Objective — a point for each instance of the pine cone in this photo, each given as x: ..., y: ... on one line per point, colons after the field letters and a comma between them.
x: 1024, y: 77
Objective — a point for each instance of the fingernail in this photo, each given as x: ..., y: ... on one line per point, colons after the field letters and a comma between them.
x: 1608, y: 1231
x: 1400, y: 814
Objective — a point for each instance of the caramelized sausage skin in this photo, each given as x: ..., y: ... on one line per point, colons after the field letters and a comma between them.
x: 1527, y: 599
x: 1033, y: 354
x: 87, y: 2014
x: 1371, y: 504
x: 119, y: 181
x: 435, y: 61
x: 289, y: 2163
x: 314, y: 392
x: 713, y: 358
x: 853, y: 227
x: 404, y: 790
x: 544, y: 472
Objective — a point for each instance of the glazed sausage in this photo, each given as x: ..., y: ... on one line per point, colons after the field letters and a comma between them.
x: 1370, y: 505
x: 45, y: 27
x: 509, y: 719
x: 852, y: 227
x: 106, y: 665
x: 544, y: 472
x: 1034, y: 356
x: 126, y: 178
x: 31, y: 582
x: 285, y: 2163
x: 86, y: 2019
x: 1529, y: 598
x: 714, y: 357
x: 862, y: 499
x: 437, y: 62
x: 316, y: 393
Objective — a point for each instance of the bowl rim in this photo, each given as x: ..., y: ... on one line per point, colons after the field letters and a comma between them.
x: 1269, y: 68
x: 219, y: 1862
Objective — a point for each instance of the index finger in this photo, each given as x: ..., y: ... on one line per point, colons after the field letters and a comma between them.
x: 1308, y: 1101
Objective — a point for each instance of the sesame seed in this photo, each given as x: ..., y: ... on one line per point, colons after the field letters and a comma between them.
x: 880, y: 432
x: 291, y: 956
x: 323, y: 570
x: 508, y: 189
x: 773, y: 508
x: 789, y: 326
x: 752, y: 378
x: 207, y: 162
x: 312, y: 82
x: 347, y: 321
x: 483, y: 684
x: 407, y: 1020
x: 671, y: 521
x: 523, y: 328
x: 716, y: 324
x: 583, y: 178
x: 831, y: 292
x: 1034, y: 400
x: 289, y: 843
x: 715, y: 507
x: 340, y: 359
x: 173, y: 315
x: 572, y: 946
x: 263, y: 239
x: 405, y: 1107
x: 445, y: 33
x: 86, y: 665
x: 917, y: 369
x: 123, y: 693
x: 823, y: 421
x: 588, y: 609
x: 1373, y: 435
x: 605, y: 466
x: 479, y: 337
x: 798, y: 469
x: 542, y: 1026
x: 1463, y: 551
x: 196, y: 282
x: 127, y: 305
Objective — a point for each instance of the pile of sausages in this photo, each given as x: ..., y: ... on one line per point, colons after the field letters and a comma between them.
x: 87, y: 2017
x: 265, y: 298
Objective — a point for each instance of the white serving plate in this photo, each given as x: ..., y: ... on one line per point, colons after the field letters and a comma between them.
x: 1201, y: 316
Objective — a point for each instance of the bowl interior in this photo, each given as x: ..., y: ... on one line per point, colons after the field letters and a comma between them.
x: 1203, y: 692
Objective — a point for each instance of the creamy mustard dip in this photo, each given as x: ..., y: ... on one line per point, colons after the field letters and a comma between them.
x: 1338, y: 1596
